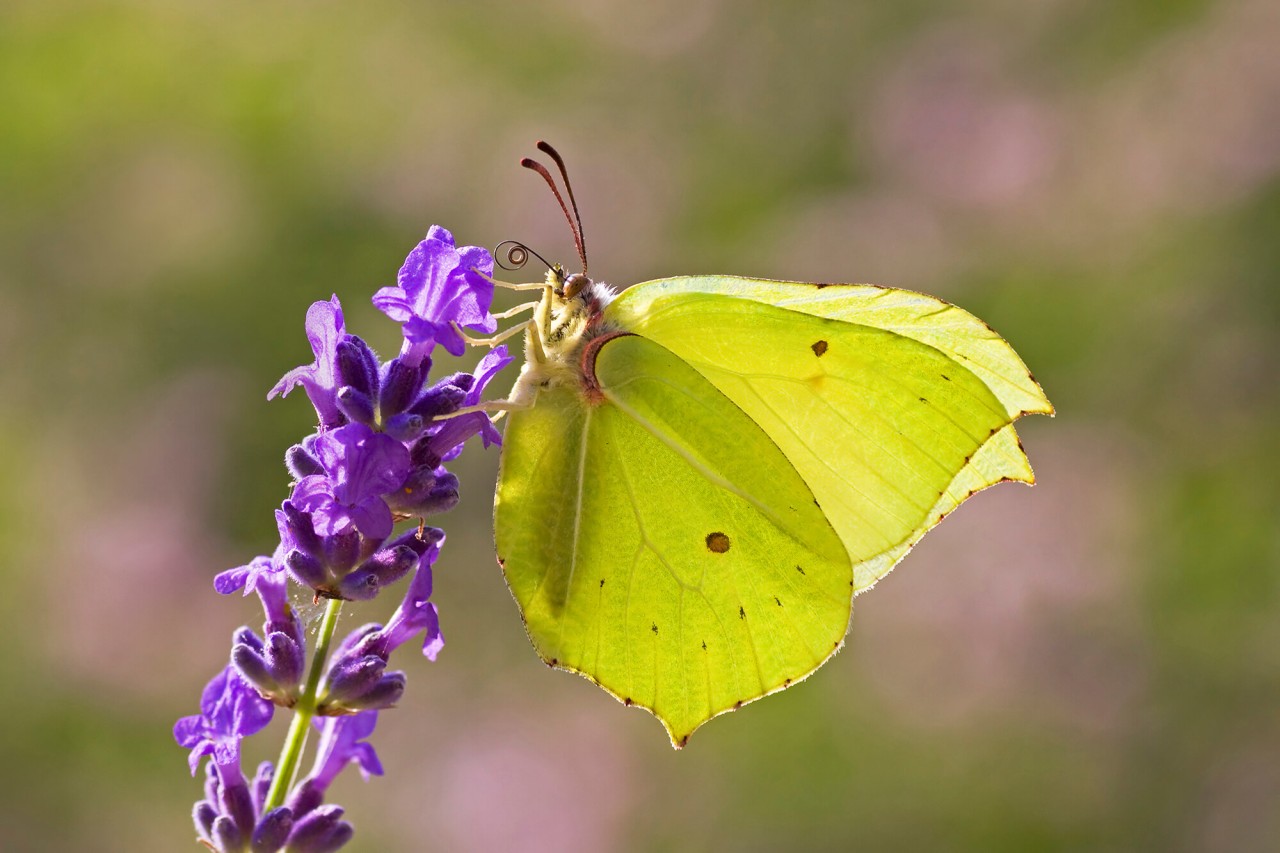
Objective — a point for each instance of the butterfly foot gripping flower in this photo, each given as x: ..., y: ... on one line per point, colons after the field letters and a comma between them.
x: 377, y: 457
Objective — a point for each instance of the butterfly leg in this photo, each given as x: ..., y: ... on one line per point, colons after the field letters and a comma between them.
x: 495, y: 339
x: 511, y: 312
x: 509, y: 285
x: 496, y: 407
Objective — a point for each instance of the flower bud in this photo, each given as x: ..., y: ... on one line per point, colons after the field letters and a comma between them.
x: 261, y: 784
x: 301, y: 463
x: 226, y: 836
x: 385, y: 694
x: 341, y: 552
x: 245, y: 636
x: 423, y: 455
x: 203, y: 815
x: 306, y: 797
x: 284, y: 659
x: 350, y: 678
x: 357, y: 366
x: 400, y: 383
x: 301, y: 530
x: 237, y: 802
x: 272, y: 831
x: 404, y: 426
x: 306, y: 569
x: 321, y: 831
x: 442, y: 496
x: 251, y: 666
x: 443, y: 397
x: 356, y: 405
x: 382, y: 569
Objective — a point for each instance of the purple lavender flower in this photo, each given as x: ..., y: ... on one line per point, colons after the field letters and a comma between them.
x: 416, y: 612
x: 437, y: 286
x: 227, y: 819
x: 325, y: 329
x: 320, y: 831
x: 343, y: 741
x: 378, y: 454
x: 230, y: 710
x: 447, y: 443
x: 357, y: 679
x: 359, y: 467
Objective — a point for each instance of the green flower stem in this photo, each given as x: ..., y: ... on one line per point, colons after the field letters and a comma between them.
x: 296, y: 740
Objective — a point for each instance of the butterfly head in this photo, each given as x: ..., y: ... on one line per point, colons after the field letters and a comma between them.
x: 575, y: 284
x: 573, y: 302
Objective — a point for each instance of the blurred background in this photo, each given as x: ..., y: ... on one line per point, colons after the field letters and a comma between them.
x: 1090, y: 664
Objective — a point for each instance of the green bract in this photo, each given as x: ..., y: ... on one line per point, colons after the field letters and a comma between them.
x: 699, y: 475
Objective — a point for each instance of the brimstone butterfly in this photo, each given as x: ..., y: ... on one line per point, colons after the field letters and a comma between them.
x: 700, y: 473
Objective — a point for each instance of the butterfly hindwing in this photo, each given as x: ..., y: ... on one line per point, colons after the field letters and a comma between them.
x: 658, y: 541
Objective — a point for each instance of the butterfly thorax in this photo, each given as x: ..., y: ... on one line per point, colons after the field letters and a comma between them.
x: 569, y: 316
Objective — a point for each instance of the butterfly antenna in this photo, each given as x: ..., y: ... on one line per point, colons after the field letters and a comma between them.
x: 546, y: 148
x: 517, y: 255
x: 574, y: 226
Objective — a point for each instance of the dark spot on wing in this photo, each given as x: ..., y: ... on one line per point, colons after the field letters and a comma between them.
x: 819, y: 348
x: 786, y: 683
x: 717, y: 542
x: 501, y: 561
x: 777, y: 601
x: 684, y: 740
x: 923, y: 400
x: 654, y: 627
x: 945, y: 376
x: 704, y: 645
x: 737, y: 705
x: 800, y: 569
x: 742, y: 614
x: 626, y: 701
x: 821, y: 284
x: 602, y: 583
x: 553, y: 661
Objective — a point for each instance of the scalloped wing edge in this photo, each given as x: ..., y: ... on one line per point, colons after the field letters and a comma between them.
x: 678, y: 741
x: 1000, y: 459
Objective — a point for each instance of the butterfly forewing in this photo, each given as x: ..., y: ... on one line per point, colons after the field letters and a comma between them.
x: 883, y: 427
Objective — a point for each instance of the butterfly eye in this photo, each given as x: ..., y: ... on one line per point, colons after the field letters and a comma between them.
x: 574, y: 284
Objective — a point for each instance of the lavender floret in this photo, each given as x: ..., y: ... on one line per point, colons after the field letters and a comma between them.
x: 325, y: 328
x: 439, y: 285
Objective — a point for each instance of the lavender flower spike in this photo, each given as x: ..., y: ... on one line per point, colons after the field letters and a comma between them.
x: 438, y: 286
x: 378, y: 455
x: 325, y: 328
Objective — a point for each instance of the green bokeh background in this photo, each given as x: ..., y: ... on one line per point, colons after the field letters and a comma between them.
x: 1090, y: 664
